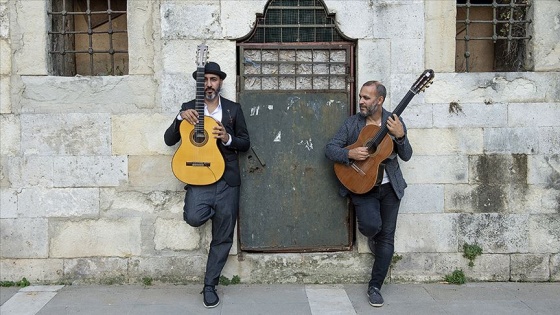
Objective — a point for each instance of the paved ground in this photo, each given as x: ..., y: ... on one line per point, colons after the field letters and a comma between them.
x: 472, y: 298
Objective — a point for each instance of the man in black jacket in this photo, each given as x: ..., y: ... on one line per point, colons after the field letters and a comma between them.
x: 218, y: 201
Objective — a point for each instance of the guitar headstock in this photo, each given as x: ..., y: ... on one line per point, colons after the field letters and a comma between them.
x: 423, y: 82
x: 201, y: 55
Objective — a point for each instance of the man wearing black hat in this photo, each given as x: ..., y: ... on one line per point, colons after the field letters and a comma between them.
x: 218, y: 201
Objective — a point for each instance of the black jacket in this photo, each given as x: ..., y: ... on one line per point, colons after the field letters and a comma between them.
x: 234, y: 122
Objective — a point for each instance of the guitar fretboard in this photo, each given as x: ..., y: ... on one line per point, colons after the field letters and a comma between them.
x: 199, y: 106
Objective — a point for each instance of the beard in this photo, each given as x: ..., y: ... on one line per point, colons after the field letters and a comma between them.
x: 369, y: 111
x: 213, y: 95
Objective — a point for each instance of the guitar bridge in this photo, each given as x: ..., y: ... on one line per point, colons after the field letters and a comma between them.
x: 204, y: 164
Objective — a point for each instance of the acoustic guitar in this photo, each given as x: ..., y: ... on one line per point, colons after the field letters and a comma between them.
x: 361, y: 176
x: 198, y: 160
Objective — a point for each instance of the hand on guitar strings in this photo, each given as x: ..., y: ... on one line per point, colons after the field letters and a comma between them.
x: 395, y: 126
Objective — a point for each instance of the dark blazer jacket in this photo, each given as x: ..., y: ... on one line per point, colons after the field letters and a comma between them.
x: 234, y: 123
x: 348, y: 134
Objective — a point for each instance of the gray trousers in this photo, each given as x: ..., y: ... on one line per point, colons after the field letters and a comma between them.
x: 219, y: 202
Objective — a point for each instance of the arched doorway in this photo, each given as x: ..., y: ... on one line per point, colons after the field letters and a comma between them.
x: 296, y: 86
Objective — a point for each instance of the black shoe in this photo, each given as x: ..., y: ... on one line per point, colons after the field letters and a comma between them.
x: 210, y: 296
x: 375, y: 298
x: 371, y: 244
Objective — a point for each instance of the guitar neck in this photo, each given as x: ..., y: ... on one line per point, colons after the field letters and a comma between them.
x: 384, y: 130
x: 199, y: 105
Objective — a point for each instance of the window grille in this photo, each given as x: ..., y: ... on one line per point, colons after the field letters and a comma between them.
x: 88, y: 37
x: 492, y: 35
x: 296, y: 45
x: 289, y: 21
x: 323, y: 67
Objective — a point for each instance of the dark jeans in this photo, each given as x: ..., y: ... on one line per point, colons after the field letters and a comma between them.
x: 376, y: 213
x: 219, y: 202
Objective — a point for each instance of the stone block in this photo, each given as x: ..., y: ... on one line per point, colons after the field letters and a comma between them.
x: 549, y: 142
x: 10, y: 134
x: 407, y: 56
x: 315, y: 268
x: 546, y: 50
x: 468, y: 115
x: 81, y: 94
x: 190, y: 19
x: 139, y: 134
x: 370, y: 68
x: 91, y: 238
x: 141, y: 43
x: 446, y: 141
x: 116, y: 203
x: 488, y: 267
x: 90, y: 171
x: 420, y: 267
x: 58, y: 202
x: 68, y: 134
x: 403, y: 20
x: 33, y: 38
x: 34, y: 270
x: 173, y: 269
x: 24, y: 238
x: 152, y: 172
x: 443, y: 169
x: 530, y: 267
x: 426, y: 233
x: 423, y: 199
x: 238, y: 17
x: 8, y: 203
x: 544, y: 233
x: 27, y: 171
x: 417, y: 116
x: 544, y: 170
x: 102, y: 270
x: 533, y: 115
x: 6, y: 53
x: 494, y: 88
x: 555, y: 267
x: 5, y: 97
x: 511, y: 140
x: 173, y: 234
x: 495, y: 233
x: 345, y: 18
x: 440, y: 38
x: 414, y: 267
x: 4, y: 20
x: 499, y: 183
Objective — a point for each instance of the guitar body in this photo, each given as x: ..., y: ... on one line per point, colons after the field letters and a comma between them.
x: 198, y: 161
x: 360, y: 176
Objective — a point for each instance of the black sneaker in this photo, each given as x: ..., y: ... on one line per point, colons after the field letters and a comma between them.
x: 375, y: 298
x: 210, y: 296
x: 371, y: 244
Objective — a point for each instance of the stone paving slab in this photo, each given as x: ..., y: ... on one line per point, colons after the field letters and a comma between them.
x: 270, y: 299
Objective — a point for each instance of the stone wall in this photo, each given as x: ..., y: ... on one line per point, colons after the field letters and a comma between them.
x: 87, y: 194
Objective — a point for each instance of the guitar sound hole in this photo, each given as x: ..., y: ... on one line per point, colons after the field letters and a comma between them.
x: 199, y: 138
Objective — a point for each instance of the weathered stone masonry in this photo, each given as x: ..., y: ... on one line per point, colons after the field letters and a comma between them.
x: 87, y: 194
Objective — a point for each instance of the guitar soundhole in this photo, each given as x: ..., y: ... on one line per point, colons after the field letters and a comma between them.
x: 198, y: 138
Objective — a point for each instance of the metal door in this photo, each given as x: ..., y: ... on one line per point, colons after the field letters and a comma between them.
x: 289, y: 193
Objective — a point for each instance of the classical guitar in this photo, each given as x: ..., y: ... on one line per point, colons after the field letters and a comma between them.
x: 361, y: 176
x: 198, y: 160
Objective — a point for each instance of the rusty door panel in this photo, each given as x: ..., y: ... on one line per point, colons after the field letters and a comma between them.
x: 289, y: 193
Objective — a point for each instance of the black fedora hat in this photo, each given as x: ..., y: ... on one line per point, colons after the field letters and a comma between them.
x: 213, y: 68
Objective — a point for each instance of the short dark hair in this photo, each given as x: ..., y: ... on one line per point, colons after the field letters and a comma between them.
x: 379, y: 88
